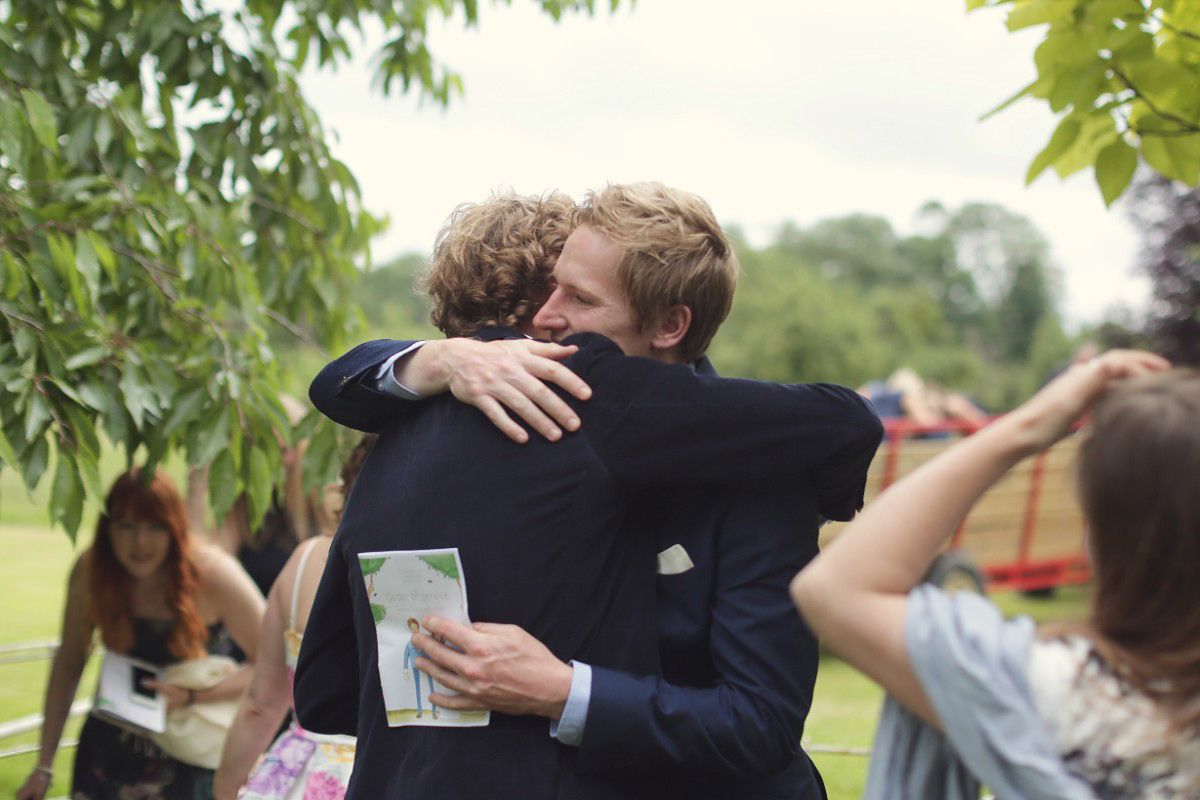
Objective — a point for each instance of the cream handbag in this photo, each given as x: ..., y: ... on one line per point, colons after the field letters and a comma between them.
x: 196, y: 733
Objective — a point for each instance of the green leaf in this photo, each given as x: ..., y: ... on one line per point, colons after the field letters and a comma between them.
x: 185, y: 407
x: 258, y: 483
x: 85, y: 358
x: 1015, y: 97
x: 105, y: 255
x: 7, y: 456
x: 36, y: 416
x: 33, y: 462
x: 87, y: 451
x: 1064, y: 136
x: 1115, y: 165
x: 41, y: 119
x: 444, y: 563
x: 1038, y: 12
x: 63, y: 256
x: 137, y: 395
x: 213, y: 436
x: 1097, y: 130
x: 1176, y: 157
x: 87, y: 262
x: 66, y: 495
x: 370, y: 566
x: 104, y: 133
x: 222, y: 484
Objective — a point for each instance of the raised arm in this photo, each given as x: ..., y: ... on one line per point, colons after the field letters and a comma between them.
x: 855, y: 594
x: 652, y: 422
x: 265, y: 702
x: 261, y: 710
x: 346, y: 392
x: 506, y: 379
x: 326, y: 690
x: 69, y: 660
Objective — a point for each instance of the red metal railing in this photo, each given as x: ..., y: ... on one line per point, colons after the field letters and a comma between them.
x: 1025, y: 533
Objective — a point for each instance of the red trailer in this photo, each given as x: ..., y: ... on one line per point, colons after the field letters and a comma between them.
x: 1025, y: 533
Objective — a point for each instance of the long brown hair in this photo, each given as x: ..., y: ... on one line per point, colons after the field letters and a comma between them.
x: 1139, y: 468
x: 110, y: 585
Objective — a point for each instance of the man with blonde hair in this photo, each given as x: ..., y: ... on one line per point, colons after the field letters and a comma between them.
x: 649, y: 268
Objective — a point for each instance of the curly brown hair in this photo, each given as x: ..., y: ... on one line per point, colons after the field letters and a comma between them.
x: 492, y: 262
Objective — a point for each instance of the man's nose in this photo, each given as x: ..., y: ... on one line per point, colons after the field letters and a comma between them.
x: 548, y: 316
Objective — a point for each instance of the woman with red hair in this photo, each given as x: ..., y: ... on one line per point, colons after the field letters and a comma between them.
x: 158, y: 597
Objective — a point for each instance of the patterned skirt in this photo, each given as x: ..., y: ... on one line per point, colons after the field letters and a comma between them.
x: 302, y: 766
x: 113, y: 763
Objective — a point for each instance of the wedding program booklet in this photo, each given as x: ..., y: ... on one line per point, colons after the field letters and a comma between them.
x: 403, y: 586
x: 120, y: 695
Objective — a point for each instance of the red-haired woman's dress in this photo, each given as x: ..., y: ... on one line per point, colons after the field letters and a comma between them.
x: 115, y: 763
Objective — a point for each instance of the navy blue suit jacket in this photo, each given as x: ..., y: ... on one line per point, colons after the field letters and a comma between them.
x: 739, y: 665
x: 537, y: 527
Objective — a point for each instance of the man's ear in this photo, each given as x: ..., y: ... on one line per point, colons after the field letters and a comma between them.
x: 671, y: 327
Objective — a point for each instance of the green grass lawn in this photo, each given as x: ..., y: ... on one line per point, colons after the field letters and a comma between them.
x: 33, y: 577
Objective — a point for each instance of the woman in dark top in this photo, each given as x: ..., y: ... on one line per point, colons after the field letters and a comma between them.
x: 157, y: 596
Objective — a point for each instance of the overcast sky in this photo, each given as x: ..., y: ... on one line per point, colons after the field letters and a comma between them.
x: 772, y: 110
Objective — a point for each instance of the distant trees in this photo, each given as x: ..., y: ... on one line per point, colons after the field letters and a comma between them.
x: 972, y: 304
x: 1168, y: 216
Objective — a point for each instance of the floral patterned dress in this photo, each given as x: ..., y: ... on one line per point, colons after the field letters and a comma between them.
x: 1108, y: 732
x: 301, y: 765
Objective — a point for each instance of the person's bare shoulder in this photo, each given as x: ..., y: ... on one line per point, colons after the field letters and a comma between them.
x: 216, y: 569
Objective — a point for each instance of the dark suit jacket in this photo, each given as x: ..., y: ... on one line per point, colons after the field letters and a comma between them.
x: 536, y: 529
x: 738, y: 663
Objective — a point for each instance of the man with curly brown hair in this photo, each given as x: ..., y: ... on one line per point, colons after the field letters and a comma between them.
x: 558, y: 538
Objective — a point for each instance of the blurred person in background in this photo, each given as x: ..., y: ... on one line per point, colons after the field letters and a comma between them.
x: 1105, y: 708
x: 155, y: 594
x: 300, y: 764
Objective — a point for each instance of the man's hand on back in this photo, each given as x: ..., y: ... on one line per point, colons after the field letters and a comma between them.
x: 502, y: 379
x: 502, y: 668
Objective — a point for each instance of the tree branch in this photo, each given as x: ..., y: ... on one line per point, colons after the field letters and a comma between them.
x: 1187, y: 126
x: 295, y: 330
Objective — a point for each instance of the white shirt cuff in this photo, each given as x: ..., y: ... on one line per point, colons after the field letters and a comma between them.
x: 569, y: 729
x: 386, y: 377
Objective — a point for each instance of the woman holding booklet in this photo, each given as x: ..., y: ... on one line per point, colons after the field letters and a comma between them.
x: 160, y: 599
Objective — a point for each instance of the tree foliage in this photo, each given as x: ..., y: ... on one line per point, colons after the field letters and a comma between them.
x: 972, y: 304
x: 1124, y: 75
x: 1168, y: 215
x: 168, y: 207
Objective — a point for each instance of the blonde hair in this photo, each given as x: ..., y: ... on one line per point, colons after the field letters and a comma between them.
x: 674, y: 253
x: 493, y: 261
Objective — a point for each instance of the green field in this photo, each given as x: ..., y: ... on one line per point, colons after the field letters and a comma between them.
x: 33, y: 579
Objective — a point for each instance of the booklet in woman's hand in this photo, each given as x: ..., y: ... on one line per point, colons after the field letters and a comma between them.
x: 121, y: 697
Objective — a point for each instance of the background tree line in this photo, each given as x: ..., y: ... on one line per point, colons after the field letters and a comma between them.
x: 972, y: 302
x: 178, y: 245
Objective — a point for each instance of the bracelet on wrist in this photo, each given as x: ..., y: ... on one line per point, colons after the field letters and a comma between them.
x: 49, y: 773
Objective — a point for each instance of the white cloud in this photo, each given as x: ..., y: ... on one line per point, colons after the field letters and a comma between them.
x: 773, y: 110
